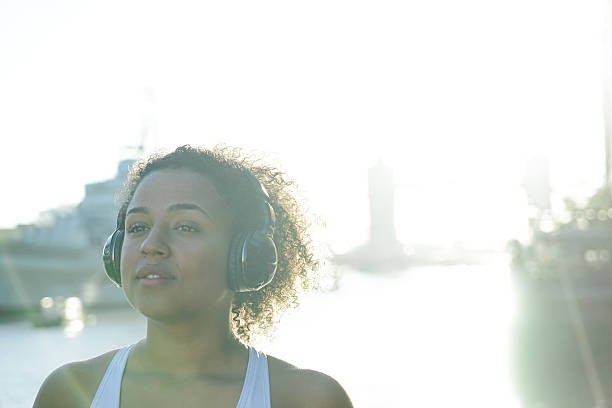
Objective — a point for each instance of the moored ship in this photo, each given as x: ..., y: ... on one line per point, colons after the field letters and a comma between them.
x: 60, y: 257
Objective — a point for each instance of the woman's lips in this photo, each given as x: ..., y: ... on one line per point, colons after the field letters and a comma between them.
x: 157, y: 276
x: 158, y: 271
x: 155, y: 281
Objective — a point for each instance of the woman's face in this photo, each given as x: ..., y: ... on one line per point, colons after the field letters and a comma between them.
x: 178, y: 227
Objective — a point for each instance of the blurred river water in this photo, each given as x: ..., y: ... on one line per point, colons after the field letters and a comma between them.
x: 435, y: 336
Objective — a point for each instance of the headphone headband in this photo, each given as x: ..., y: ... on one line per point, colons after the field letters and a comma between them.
x: 269, y: 216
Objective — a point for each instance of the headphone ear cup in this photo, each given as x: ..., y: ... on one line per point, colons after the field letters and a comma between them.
x: 262, y: 260
x: 252, y: 261
x: 111, y: 255
x: 234, y: 262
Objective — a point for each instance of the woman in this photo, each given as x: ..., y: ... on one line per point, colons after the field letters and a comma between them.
x: 210, y: 257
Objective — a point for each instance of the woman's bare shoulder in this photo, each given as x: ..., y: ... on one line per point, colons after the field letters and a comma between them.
x: 291, y: 386
x: 73, y: 384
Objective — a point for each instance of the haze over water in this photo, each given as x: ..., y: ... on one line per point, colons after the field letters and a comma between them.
x: 428, y: 337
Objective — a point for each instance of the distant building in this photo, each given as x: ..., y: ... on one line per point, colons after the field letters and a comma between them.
x: 382, y: 200
x: 62, y: 255
x: 86, y: 225
x: 98, y: 211
x: 383, y: 251
x: 536, y: 182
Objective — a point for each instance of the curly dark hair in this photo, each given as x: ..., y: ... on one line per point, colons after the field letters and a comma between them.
x: 256, y: 313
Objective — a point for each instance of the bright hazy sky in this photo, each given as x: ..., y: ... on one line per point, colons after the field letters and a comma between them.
x: 454, y: 95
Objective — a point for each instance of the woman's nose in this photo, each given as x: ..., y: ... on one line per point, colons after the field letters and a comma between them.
x: 155, y: 244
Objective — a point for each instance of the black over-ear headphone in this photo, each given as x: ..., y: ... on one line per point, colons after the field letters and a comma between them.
x: 252, y: 254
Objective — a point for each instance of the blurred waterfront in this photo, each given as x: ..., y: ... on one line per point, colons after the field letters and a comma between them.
x: 469, y: 113
x: 430, y: 337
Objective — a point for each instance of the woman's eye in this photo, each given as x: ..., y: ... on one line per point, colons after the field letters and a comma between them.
x: 187, y: 228
x: 135, y: 228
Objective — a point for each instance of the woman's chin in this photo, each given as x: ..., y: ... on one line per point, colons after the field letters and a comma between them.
x: 156, y: 310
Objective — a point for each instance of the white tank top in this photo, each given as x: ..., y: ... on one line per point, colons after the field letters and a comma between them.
x: 255, y: 391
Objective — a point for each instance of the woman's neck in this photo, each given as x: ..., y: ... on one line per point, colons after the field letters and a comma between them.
x: 191, y: 347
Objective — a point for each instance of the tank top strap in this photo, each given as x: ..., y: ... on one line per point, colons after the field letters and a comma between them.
x: 108, y: 393
x: 256, y: 388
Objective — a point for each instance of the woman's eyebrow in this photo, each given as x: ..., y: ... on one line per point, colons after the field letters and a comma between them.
x: 173, y: 207
x: 137, y: 210
x: 185, y: 206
